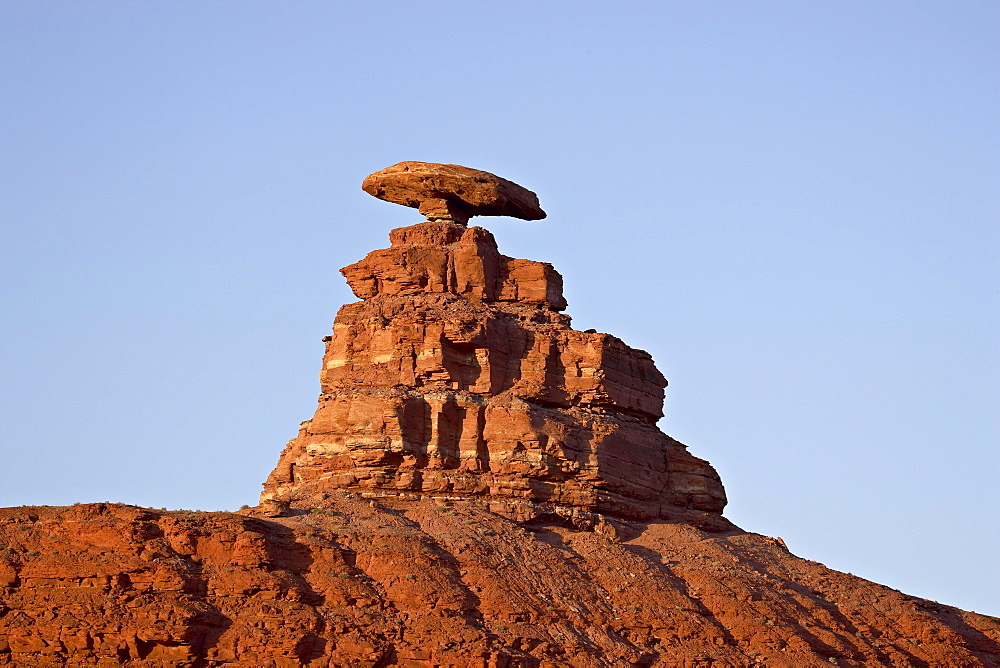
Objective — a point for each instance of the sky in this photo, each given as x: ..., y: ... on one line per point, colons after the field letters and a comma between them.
x: 792, y: 205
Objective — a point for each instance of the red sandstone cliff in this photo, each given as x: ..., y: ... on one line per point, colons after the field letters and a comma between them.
x: 481, y: 485
x: 457, y: 376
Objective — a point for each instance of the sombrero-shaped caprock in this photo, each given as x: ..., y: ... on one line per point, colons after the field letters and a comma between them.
x: 452, y: 192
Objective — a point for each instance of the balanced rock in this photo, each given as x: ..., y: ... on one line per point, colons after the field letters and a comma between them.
x: 457, y: 376
x: 451, y: 192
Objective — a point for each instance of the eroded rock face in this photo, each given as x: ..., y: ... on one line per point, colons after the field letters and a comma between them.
x: 452, y: 193
x: 458, y: 376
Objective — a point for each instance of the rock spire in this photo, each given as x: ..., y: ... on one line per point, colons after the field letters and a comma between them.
x: 457, y: 375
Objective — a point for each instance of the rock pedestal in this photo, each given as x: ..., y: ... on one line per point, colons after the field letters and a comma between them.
x: 457, y: 376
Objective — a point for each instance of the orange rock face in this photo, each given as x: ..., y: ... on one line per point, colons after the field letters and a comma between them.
x: 452, y: 193
x: 458, y: 377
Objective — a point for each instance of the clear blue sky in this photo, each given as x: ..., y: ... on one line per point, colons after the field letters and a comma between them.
x: 792, y: 205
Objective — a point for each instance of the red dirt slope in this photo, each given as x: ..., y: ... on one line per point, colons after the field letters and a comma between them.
x: 422, y: 582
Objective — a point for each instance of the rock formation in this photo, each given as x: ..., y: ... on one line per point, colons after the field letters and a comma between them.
x: 458, y: 376
x: 451, y: 192
x: 481, y: 486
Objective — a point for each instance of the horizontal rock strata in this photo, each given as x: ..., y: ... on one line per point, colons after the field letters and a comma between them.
x: 457, y: 375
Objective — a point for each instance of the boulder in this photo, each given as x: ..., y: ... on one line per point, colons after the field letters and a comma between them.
x: 452, y: 192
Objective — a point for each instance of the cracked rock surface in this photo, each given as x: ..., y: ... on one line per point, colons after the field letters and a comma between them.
x: 423, y: 582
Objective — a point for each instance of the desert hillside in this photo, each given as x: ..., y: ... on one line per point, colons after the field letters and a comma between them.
x: 435, y: 582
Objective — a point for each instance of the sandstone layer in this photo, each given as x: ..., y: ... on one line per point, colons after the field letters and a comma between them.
x: 423, y: 583
x: 457, y: 376
x: 452, y: 193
